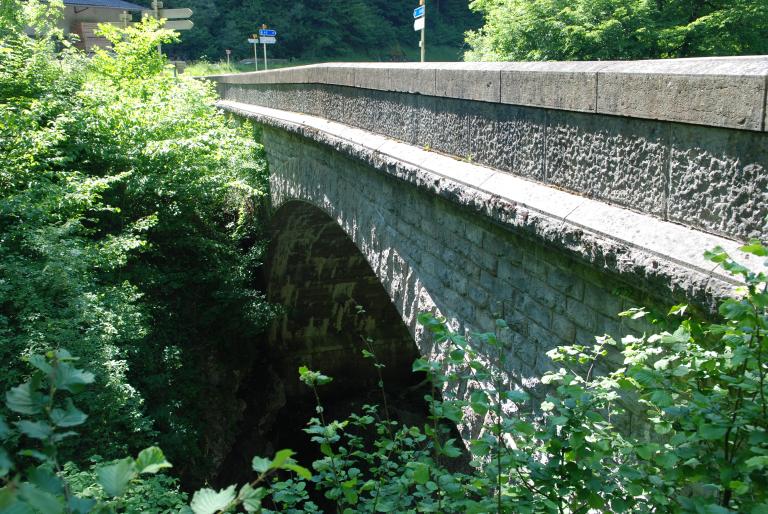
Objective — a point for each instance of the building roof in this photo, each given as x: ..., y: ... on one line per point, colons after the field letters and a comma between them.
x: 110, y: 4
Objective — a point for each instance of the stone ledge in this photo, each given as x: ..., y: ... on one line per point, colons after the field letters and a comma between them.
x: 724, y: 92
x: 659, y: 253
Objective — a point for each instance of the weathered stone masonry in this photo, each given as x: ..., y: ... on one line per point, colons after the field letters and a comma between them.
x: 476, y: 241
x: 681, y: 140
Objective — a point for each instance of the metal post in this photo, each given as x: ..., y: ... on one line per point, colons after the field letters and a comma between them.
x: 157, y: 5
x: 256, y: 52
x: 265, y: 57
x: 424, y: 32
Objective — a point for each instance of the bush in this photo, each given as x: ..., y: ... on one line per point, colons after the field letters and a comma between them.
x: 129, y: 222
x: 698, y: 390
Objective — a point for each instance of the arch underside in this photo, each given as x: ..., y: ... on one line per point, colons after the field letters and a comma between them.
x: 334, y: 306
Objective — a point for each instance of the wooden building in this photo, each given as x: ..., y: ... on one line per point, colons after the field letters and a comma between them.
x: 81, y: 17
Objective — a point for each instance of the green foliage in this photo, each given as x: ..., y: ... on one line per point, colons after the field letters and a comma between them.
x: 32, y: 477
x: 679, y: 427
x: 616, y: 29
x: 129, y: 233
x: 318, y: 31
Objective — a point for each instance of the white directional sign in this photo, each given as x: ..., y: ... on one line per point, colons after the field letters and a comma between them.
x: 175, y: 14
x: 267, y: 40
x: 418, y: 24
x: 179, y: 25
x: 253, y: 41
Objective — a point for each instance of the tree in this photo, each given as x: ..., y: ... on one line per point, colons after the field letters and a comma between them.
x: 617, y: 29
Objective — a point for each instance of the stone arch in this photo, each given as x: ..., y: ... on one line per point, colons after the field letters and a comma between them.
x: 331, y: 301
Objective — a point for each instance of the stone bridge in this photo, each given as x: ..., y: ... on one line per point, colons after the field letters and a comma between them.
x: 553, y: 195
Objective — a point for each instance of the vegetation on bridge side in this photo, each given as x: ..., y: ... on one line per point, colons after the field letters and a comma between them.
x: 128, y: 234
x: 698, y: 392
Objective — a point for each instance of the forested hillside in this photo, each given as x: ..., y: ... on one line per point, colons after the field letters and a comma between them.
x: 375, y: 30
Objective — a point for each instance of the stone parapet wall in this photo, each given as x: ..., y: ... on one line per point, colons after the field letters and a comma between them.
x: 681, y: 140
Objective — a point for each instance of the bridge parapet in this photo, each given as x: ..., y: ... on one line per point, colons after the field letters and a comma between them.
x: 727, y: 92
x: 682, y: 140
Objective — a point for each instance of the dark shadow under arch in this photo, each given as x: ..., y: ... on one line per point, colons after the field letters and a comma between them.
x: 331, y: 301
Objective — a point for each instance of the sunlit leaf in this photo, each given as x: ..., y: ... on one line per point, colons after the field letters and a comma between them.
x: 151, y: 460
x: 208, y: 501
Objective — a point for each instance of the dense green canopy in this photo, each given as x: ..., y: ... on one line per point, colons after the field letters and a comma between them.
x: 617, y: 29
x: 323, y: 29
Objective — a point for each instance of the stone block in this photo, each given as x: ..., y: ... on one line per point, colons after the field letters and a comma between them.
x: 569, y: 284
x: 534, y: 310
x: 557, y: 85
x: 414, y: 78
x: 443, y: 125
x: 469, y: 81
x: 581, y: 315
x: 372, y: 76
x: 487, y: 261
x: 478, y: 296
x: 512, y: 273
x: 603, y: 300
x: 617, y: 160
x: 342, y: 74
x: 564, y: 328
x: 488, y: 281
x: 721, y: 92
x: 508, y: 138
x: 719, y: 181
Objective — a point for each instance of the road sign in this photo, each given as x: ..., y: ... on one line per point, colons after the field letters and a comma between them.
x: 418, y: 24
x: 267, y: 40
x: 175, y: 14
x: 179, y: 25
x: 267, y: 32
x: 419, y: 11
x: 253, y: 40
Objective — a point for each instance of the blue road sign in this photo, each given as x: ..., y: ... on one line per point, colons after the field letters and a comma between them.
x: 267, y: 32
x: 418, y: 12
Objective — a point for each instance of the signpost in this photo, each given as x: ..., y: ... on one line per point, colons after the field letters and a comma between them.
x: 420, y: 24
x: 255, y: 42
x: 175, y: 14
x: 177, y: 17
x: 179, y: 25
x: 229, y: 52
x: 267, y: 37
